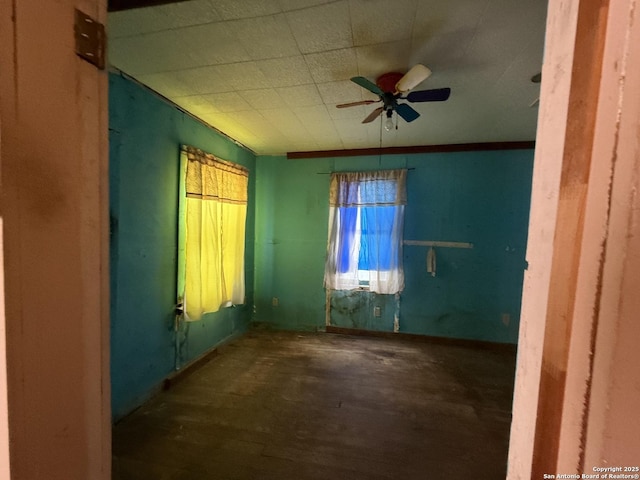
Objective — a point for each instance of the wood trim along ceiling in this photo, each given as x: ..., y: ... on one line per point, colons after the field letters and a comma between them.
x: 462, y: 147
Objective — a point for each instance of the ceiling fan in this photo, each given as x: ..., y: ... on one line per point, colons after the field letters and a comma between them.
x: 394, y: 86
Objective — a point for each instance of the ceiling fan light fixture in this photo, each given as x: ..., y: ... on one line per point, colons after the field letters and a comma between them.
x: 388, y: 123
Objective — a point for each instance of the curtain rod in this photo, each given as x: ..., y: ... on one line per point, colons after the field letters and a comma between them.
x: 433, y: 243
x: 329, y: 173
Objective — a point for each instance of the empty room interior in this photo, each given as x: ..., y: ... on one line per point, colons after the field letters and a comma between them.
x: 275, y: 90
x: 311, y: 239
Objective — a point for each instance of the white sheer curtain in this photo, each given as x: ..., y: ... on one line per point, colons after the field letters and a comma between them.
x: 366, y: 214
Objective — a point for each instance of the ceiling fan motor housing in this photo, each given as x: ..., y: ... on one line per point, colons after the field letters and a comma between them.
x: 387, y: 81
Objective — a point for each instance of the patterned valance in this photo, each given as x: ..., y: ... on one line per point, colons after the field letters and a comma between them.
x: 360, y: 189
x: 211, y: 178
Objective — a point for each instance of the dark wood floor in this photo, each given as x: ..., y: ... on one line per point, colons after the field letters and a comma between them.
x: 285, y: 405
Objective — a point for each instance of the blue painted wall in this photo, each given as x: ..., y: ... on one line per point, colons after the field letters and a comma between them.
x: 144, y: 140
x: 477, y: 197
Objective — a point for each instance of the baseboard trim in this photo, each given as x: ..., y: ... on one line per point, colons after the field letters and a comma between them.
x: 169, y: 381
x: 179, y: 375
x: 459, y: 342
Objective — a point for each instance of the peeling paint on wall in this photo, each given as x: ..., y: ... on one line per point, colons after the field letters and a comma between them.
x: 476, y: 199
x: 144, y: 185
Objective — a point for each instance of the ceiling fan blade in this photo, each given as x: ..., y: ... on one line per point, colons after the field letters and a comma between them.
x: 373, y: 115
x: 418, y: 74
x: 407, y: 112
x: 435, y: 95
x: 368, y: 84
x: 354, y: 104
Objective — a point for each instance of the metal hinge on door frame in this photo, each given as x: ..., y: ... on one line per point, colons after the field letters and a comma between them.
x: 90, y: 39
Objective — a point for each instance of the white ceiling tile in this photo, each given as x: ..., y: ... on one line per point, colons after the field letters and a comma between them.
x: 343, y: 91
x: 502, y: 22
x: 332, y: 66
x: 316, y: 113
x: 202, y: 55
x: 192, y: 12
x: 134, y: 22
x: 514, y: 87
x: 225, y: 124
x: 374, y: 60
x: 168, y: 84
x: 322, y: 28
x: 254, y: 122
x: 265, y: 37
x: 227, y: 102
x: 148, y: 53
x: 163, y: 17
x: 443, y: 52
x: 374, y: 132
x: 234, y: 130
x: 324, y: 131
x: 300, y: 95
x: 276, y: 137
x: 434, y: 18
x: 284, y: 120
x: 203, y: 80
x: 233, y: 9
x: 262, y: 99
x: 517, y: 121
x: 301, y: 145
x: 380, y: 21
x: 350, y: 131
x: 243, y: 76
x: 283, y: 72
x: 211, y: 44
x: 213, y: 118
x: 356, y: 144
x: 247, y: 117
x: 288, y: 5
x: 240, y: 134
x: 277, y: 149
x: 196, y: 104
x: 330, y: 142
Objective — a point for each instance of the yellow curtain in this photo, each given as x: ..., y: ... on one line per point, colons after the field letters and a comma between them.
x: 216, y: 212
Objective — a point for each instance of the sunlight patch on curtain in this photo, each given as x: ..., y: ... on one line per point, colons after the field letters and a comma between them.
x: 215, y: 215
x: 366, y: 214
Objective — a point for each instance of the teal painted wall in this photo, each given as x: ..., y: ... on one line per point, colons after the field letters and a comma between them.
x: 144, y: 140
x: 477, y: 197
x: 291, y: 241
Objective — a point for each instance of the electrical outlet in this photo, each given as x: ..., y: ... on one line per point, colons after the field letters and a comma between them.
x: 376, y: 311
x: 275, y: 302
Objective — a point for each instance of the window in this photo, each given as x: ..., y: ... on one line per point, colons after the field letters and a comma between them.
x: 365, y: 231
x: 215, y: 214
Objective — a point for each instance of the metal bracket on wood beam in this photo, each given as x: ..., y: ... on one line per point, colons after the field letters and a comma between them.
x: 90, y: 39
